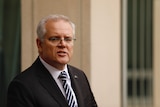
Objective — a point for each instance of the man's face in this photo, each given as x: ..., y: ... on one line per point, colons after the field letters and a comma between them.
x: 54, y: 52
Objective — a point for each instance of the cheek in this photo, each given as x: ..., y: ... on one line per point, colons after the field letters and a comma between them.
x: 48, y: 50
x: 71, y: 51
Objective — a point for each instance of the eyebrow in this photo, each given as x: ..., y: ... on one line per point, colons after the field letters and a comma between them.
x: 57, y: 35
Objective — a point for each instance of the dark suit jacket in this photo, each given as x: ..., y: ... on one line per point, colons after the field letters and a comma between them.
x: 35, y: 87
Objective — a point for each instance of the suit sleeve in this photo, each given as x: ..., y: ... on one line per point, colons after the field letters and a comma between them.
x: 19, y: 96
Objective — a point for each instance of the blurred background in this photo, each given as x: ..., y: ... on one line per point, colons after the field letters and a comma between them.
x: 118, y: 46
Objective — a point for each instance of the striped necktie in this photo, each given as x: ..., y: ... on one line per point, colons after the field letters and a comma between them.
x: 68, y: 92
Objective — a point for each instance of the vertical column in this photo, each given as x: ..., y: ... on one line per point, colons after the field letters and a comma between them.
x: 156, y: 55
x: 27, y: 33
x: 106, y: 52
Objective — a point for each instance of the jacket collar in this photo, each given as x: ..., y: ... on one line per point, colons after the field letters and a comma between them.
x: 47, y: 81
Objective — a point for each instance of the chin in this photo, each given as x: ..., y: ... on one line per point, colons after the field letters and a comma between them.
x: 64, y: 62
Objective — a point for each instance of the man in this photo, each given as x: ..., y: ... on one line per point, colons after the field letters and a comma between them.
x: 50, y: 81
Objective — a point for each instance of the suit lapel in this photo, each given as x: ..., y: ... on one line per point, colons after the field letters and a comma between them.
x: 47, y: 81
x: 76, y: 86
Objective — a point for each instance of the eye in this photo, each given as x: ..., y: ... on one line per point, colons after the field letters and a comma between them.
x: 54, y: 39
x: 68, y: 39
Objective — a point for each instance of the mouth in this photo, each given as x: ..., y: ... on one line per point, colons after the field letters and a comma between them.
x: 62, y: 53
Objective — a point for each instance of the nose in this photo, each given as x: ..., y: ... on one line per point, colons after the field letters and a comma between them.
x: 62, y: 43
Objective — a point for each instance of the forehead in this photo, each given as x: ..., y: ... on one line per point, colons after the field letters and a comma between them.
x: 58, y: 24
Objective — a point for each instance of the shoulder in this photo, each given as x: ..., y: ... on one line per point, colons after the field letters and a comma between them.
x: 28, y: 75
x: 24, y: 78
x: 25, y: 81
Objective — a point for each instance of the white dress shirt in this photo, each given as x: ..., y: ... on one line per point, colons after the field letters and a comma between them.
x: 55, y: 74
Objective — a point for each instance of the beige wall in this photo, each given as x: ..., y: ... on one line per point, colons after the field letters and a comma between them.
x: 156, y: 48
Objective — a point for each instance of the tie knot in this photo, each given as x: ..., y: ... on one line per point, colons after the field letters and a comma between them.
x: 63, y: 75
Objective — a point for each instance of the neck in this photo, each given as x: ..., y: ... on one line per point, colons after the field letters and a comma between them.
x: 56, y: 65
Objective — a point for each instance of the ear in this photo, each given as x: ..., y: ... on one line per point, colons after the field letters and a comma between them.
x: 39, y: 44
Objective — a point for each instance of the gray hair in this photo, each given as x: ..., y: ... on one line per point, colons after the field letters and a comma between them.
x: 41, y: 30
